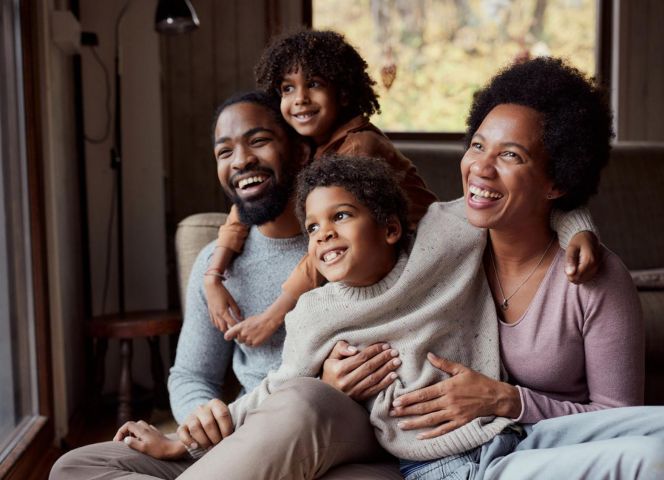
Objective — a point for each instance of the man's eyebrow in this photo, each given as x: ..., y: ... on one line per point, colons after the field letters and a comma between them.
x: 248, y: 133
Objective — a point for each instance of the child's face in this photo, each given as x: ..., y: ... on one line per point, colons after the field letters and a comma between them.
x: 310, y: 105
x: 345, y: 241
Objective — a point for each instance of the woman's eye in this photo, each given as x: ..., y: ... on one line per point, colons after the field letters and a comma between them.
x: 512, y: 156
x: 476, y: 145
x: 311, y: 228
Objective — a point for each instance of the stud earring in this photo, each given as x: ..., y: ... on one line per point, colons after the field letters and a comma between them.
x: 549, y: 196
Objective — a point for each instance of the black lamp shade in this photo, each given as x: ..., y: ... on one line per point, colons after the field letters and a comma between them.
x: 175, y: 16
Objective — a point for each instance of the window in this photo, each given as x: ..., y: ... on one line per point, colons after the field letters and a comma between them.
x: 23, y: 396
x: 429, y: 56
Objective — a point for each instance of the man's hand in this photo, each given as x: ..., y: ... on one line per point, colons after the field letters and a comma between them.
x: 206, y: 426
x: 453, y: 402
x: 224, y: 312
x: 582, y: 257
x: 361, y: 374
x: 147, y: 439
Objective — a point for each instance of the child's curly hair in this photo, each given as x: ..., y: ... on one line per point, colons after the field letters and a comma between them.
x: 576, y: 121
x: 323, y: 53
x: 369, y: 180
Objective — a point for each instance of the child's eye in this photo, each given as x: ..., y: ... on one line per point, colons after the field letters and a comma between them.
x: 311, y: 228
x: 286, y: 89
x: 314, y: 84
x: 341, y: 216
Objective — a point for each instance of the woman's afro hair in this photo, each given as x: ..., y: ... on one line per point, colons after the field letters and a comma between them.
x: 325, y: 54
x: 577, y: 121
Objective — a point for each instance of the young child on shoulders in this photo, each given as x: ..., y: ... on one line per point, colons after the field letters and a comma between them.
x: 433, y: 303
x: 327, y: 95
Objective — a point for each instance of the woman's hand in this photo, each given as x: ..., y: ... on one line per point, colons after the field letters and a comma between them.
x: 224, y: 312
x: 147, y: 439
x: 208, y: 425
x: 582, y: 257
x: 451, y: 403
x: 360, y: 374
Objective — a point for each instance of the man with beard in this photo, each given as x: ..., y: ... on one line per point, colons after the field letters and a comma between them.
x: 304, y: 428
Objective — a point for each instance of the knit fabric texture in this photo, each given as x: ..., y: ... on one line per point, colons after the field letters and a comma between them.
x: 436, y: 299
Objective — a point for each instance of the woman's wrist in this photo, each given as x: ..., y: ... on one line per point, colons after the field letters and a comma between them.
x: 508, y: 401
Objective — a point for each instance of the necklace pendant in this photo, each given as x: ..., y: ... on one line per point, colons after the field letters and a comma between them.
x: 504, y: 305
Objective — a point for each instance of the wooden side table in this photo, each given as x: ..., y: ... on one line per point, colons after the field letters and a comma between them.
x: 126, y: 327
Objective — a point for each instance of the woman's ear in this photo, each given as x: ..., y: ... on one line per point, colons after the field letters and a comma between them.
x: 393, y: 230
x: 554, y: 194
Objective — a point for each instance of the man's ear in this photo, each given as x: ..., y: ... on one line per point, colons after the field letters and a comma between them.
x: 393, y: 230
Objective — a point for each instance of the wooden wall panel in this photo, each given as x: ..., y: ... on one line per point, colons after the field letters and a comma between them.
x: 200, y: 70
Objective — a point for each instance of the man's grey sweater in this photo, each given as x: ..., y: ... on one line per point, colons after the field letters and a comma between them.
x: 203, y: 356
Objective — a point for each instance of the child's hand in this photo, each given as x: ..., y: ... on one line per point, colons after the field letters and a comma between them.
x: 582, y: 257
x: 255, y: 330
x: 224, y: 312
x: 147, y: 439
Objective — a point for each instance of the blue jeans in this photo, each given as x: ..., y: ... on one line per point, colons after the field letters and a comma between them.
x: 619, y: 443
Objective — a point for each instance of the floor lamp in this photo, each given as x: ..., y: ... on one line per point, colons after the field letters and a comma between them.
x: 172, y: 17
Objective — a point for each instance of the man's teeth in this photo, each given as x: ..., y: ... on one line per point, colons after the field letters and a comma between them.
x: 329, y: 256
x: 484, y: 193
x: 250, y: 180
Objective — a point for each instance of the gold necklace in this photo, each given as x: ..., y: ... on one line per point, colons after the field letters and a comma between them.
x: 504, y: 304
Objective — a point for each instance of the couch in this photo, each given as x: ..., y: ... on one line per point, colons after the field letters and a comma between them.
x: 629, y: 211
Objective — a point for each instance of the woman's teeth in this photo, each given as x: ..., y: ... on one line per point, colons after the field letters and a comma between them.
x: 478, y: 192
x: 250, y: 180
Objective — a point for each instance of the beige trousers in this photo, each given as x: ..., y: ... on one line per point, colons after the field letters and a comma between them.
x: 305, y: 430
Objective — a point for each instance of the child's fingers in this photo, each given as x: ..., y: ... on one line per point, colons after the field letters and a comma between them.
x: 572, y: 261
x: 233, y: 332
x: 234, y: 310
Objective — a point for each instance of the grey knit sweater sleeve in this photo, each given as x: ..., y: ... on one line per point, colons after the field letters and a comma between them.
x: 203, y: 356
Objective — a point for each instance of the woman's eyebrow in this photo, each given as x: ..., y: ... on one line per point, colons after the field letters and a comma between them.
x: 517, y: 145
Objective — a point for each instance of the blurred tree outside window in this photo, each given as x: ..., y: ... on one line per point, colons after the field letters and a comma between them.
x: 429, y: 56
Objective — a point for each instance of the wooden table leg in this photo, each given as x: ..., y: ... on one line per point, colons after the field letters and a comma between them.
x: 160, y: 391
x: 124, y: 389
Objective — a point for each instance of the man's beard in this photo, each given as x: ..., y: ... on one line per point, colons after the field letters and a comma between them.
x: 270, y: 204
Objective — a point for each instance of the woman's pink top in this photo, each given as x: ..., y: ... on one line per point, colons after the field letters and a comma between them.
x: 577, y: 348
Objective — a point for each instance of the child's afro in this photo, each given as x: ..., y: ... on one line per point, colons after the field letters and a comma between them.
x: 369, y: 180
x: 323, y: 53
x: 577, y: 121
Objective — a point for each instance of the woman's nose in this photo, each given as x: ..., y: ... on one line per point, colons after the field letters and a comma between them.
x: 483, y: 166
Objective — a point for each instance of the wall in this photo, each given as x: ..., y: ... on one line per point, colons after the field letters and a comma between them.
x: 63, y: 219
x: 638, y: 69
x: 143, y: 171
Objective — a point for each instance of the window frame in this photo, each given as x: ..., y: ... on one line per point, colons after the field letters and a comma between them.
x: 604, y: 39
x: 36, y: 439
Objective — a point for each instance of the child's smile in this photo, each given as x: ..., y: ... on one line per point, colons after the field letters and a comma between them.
x: 310, y: 105
x: 349, y: 245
